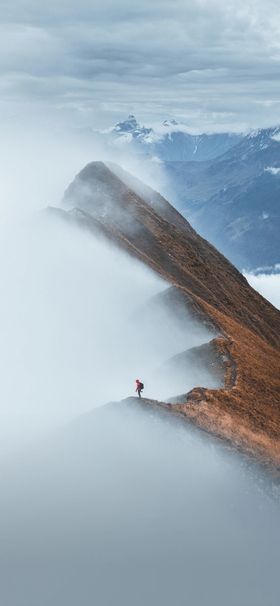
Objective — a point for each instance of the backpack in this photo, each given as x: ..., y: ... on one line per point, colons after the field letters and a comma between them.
x: 141, y: 386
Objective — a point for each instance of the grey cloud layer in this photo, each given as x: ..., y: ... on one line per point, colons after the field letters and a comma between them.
x: 201, y: 61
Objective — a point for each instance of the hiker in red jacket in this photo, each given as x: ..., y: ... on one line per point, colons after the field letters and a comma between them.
x: 139, y: 387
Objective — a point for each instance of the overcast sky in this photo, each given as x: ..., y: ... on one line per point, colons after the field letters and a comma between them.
x: 213, y: 64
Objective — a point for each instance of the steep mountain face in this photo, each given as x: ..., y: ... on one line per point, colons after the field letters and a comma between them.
x: 246, y: 411
x: 234, y: 200
x: 171, y: 142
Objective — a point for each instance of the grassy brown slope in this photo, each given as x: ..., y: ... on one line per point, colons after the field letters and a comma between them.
x: 248, y: 412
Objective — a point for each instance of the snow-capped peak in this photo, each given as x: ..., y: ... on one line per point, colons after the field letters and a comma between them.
x: 128, y: 125
x: 276, y: 134
x: 133, y: 128
x: 265, y: 133
x: 254, y: 133
x: 170, y: 123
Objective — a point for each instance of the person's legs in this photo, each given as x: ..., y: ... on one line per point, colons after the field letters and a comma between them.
x: 139, y: 393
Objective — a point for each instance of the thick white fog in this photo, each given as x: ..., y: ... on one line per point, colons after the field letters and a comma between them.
x: 127, y: 507
x: 39, y: 161
x: 77, y: 328
x: 113, y: 505
x: 268, y: 285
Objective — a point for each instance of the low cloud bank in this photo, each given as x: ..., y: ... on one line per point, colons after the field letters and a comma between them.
x: 120, y: 506
x: 77, y: 327
x: 39, y: 162
x: 125, y: 506
x: 267, y: 285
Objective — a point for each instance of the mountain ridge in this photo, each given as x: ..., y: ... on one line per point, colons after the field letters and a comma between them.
x: 247, y: 411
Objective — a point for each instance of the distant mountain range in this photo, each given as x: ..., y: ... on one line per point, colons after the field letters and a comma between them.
x: 234, y: 200
x: 227, y: 185
x: 170, y: 141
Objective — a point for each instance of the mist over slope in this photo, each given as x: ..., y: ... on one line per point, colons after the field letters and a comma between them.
x: 125, y: 506
x: 145, y: 225
x: 79, y: 322
x: 128, y: 504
